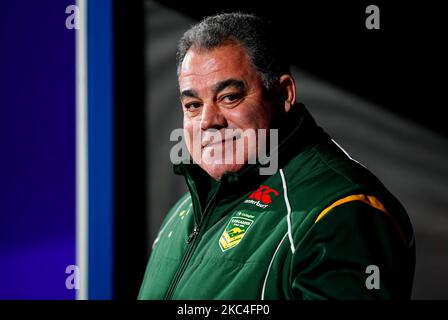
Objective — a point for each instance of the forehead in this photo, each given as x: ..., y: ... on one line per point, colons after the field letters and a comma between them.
x: 204, y: 68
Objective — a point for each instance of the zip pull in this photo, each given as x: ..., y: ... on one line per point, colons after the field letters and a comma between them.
x: 193, y: 235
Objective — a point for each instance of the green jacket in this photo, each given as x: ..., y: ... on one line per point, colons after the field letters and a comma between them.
x: 313, y: 230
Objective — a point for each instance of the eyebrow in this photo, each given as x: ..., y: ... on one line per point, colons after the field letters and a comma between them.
x: 188, y: 93
x: 239, y: 84
x: 228, y: 83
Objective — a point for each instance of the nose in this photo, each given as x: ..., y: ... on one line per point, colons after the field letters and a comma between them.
x: 212, y: 117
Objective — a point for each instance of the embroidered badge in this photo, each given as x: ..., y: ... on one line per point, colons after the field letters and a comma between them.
x: 235, y: 230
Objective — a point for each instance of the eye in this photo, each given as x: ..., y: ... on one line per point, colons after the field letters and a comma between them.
x: 192, y: 106
x: 231, y: 98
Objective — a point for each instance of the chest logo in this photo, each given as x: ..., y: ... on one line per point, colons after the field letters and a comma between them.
x: 262, y: 197
x: 235, y: 230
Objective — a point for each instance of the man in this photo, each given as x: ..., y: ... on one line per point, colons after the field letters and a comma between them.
x: 320, y: 226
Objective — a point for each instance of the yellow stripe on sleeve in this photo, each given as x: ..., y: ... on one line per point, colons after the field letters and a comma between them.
x: 370, y: 200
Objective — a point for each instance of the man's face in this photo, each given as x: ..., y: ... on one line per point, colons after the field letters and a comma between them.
x: 220, y: 89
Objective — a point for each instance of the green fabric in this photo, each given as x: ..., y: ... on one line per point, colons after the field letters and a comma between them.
x: 244, y: 248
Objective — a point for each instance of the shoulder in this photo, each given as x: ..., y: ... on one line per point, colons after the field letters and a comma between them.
x: 324, y: 178
x: 183, y: 204
x: 329, y: 167
x: 326, y: 171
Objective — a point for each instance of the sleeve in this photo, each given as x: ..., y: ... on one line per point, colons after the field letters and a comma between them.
x: 354, y: 252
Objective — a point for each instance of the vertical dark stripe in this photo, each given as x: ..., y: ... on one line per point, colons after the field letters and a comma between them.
x: 130, y: 144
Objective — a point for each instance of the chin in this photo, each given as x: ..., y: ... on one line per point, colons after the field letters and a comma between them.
x: 217, y: 171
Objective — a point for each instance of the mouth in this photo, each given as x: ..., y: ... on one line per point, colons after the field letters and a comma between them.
x: 214, y: 144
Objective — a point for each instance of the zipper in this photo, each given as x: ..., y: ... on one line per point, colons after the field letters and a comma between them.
x: 191, y: 243
x: 193, y: 235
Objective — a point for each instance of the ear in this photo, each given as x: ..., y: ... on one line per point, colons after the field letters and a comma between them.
x: 288, y: 91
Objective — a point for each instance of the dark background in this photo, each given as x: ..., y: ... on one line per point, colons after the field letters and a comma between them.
x: 380, y: 92
x: 399, y: 66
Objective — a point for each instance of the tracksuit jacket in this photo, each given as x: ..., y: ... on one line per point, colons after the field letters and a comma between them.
x: 321, y: 227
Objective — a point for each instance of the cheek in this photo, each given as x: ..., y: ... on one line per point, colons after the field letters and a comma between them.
x: 189, y: 132
x: 192, y: 136
x: 252, y: 116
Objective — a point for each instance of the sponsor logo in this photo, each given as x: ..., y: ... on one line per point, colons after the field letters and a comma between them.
x: 262, y: 196
x: 235, y: 230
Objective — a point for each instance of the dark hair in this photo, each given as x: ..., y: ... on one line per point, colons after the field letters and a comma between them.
x: 256, y: 34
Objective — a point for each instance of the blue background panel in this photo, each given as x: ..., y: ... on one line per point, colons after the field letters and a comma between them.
x: 100, y: 148
x: 37, y: 150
